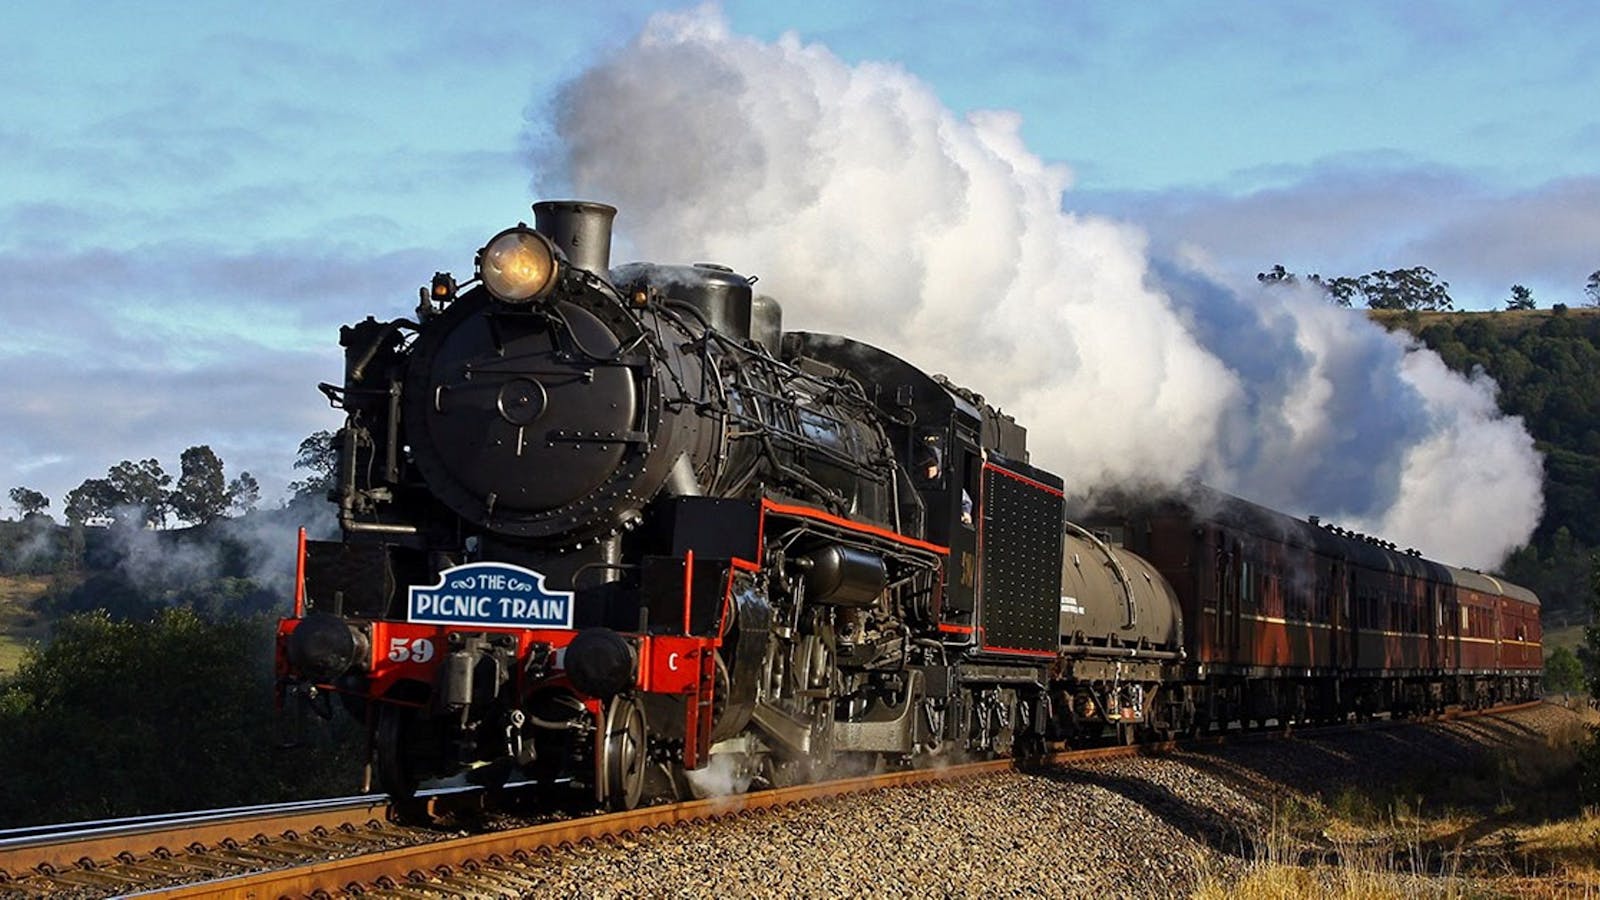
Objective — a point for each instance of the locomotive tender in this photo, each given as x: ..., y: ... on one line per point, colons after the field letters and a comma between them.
x: 614, y: 525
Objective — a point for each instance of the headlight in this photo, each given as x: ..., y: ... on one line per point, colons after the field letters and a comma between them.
x: 518, y: 265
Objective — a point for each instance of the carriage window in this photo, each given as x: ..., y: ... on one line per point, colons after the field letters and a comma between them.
x: 969, y: 490
x: 930, y: 460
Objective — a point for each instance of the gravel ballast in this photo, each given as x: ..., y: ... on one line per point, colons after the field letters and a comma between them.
x: 1142, y: 827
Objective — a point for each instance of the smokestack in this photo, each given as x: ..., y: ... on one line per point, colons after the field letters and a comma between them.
x: 581, y: 229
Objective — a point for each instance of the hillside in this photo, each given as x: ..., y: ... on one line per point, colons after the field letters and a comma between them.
x: 1547, y: 364
x: 236, y: 568
x: 21, y: 625
x: 1506, y: 320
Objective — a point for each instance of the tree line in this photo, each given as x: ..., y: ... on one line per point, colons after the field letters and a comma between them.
x: 1417, y: 289
x: 140, y: 494
x: 143, y: 490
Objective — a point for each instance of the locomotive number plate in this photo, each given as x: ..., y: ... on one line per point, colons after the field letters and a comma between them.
x: 488, y: 593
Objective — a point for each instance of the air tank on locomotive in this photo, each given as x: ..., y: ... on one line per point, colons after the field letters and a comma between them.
x: 1111, y: 597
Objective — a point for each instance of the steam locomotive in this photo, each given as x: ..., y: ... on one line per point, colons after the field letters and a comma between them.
x: 613, y: 527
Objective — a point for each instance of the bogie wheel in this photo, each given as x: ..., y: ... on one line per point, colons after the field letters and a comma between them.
x: 625, y: 755
x: 1030, y: 749
x: 1127, y: 733
x: 396, y: 774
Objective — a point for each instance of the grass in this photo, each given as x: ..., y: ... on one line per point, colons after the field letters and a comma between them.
x: 1570, y: 637
x: 1512, y: 826
x: 1507, y: 320
x: 20, y: 626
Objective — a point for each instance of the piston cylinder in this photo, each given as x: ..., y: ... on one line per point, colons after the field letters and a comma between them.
x: 845, y: 576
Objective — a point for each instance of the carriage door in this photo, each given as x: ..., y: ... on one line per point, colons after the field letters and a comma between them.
x: 1233, y: 590
x: 1339, y: 612
x: 1219, y: 576
x: 1453, y: 620
x: 1434, y: 625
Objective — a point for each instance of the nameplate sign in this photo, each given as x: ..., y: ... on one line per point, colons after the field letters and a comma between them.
x: 490, y: 593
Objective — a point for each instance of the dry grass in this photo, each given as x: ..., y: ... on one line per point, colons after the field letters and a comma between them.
x: 20, y: 626
x: 1510, y: 828
x: 1276, y: 882
x: 1568, y: 636
x: 1512, y: 321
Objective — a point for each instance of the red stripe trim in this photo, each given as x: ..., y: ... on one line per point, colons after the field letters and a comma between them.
x: 300, y: 577
x: 688, y: 586
x: 991, y: 467
x: 983, y: 645
x: 955, y: 629
x: 727, y: 600
x: 806, y: 512
x: 1018, y: 651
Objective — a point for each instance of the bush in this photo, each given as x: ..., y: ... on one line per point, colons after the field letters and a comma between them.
x: 1589, y: 769
x: 33, y: 546
x: 123, y: 718
x: 1562, y: 671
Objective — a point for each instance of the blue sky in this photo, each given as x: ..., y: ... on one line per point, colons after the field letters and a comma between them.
x: 195, y: 196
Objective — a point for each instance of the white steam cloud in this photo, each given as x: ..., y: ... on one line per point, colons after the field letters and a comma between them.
x: 870, y: 209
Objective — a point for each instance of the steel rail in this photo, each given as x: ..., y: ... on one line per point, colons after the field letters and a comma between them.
x: 15, y: 837
x: 54, y: 848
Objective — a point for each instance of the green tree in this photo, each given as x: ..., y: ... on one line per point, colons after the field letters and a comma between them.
x: 1562, y: 671
x: 1591, y: 633
x: 1416, y: 288
x: 94, y: 498
x: 1277, y: 275
x: 202, y: 492
x: 318, y: 455
x: 143, y: 485
x: 244, y: 492
x: 29, y: 502
x: 1521, y: 298
x: 1341, y: 291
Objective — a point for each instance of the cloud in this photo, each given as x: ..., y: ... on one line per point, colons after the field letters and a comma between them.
x: 190, y: 227
x: 127, y: 353
x: 1356, y: 215
x: 65, y: 421
x: 871, y: 209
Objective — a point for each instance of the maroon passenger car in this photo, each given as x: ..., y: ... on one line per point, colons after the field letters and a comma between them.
x: 1293, y: 619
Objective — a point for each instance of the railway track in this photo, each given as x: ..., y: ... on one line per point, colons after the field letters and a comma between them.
x: 348, y: 846
x: 117, y: 856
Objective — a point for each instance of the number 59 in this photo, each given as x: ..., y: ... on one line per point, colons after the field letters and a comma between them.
x: 417, y: 650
